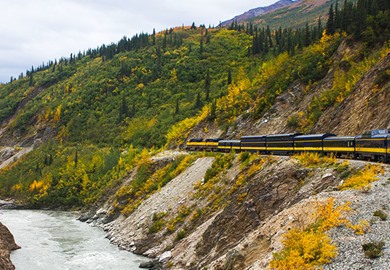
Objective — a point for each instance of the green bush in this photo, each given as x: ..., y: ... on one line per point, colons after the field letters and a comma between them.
x: 374, y: 249
x: 380, y: 214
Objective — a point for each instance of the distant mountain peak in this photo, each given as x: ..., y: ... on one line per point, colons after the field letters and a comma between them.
x: 259, y: 11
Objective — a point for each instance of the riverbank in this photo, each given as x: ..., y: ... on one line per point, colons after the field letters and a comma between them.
x: 7, y: 244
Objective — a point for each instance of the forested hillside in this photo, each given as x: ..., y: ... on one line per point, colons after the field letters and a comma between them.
x: 94, y: 116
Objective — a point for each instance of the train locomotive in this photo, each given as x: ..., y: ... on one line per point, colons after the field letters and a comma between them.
x: 371, y: 145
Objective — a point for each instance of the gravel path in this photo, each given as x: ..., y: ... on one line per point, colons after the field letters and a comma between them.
x: 350, y: 251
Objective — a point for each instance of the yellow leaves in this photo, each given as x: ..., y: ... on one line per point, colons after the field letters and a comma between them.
x: 362, y: 179
x: 311, y: 247
x: 181, y: 130
x: 237, y: 99
x: 361, y: 227
x: 330, y: 216
x: 57, y: 114
x: 304, y: 250
x: 39, y: 188
x: 16, y: 187
x: 272, y: 67
x: 174, y: 75
x: 310, y: 159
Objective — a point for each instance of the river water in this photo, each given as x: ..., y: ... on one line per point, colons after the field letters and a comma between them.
x: 53, y: 240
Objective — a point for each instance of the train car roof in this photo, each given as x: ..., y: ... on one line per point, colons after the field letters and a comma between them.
x: 195, y: 140
x: 283, y: 135
x: 213, y: 139
x: 314, y: 136
x: 340, y: 138
x: 376, y: 133
x: 229, y: 141
x: 254, y: 137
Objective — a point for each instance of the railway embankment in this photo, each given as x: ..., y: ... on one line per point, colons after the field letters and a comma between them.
x: 237, y: 218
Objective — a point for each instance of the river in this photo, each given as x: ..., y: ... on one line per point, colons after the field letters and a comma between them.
x: 57, y: 241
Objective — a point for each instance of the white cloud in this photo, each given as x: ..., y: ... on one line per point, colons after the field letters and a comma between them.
x: 37, y: 31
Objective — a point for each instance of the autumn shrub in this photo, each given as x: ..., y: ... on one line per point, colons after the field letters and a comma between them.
x: 312, y: 159
x: 309, y: 247
x: 362, y: 178
x: 306, y: 248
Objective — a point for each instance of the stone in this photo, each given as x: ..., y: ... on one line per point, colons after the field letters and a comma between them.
x: 165, y: 256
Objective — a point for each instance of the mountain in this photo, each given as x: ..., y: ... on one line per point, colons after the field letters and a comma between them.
x: 104, y: 132
x: 252, y: 13
x: 288, y: 14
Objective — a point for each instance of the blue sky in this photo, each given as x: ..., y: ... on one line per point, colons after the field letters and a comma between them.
x: 36, y: 31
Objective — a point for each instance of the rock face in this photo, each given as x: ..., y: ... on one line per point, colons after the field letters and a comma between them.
x: 7, y: 244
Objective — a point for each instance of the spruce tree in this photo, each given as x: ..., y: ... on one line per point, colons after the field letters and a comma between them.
x: 207, y: 84
x: 330, y: 28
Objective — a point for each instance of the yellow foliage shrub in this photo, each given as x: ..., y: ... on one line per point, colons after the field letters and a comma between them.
x: 304, y: 250
x: 310, y: 247
x: 310, y: 159
x: 361, y: 227
x: 181, y: 130
x: 363, y: 178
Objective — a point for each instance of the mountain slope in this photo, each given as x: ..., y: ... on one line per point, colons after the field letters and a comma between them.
x: 258, y: 12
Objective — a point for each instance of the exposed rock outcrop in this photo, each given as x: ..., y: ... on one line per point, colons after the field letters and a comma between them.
x: 7, y: 244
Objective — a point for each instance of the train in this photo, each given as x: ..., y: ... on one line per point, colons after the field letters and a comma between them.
x: 371, y: 145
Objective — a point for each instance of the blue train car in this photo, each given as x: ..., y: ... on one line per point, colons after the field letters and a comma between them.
x: 311, y: 142
x: 340, y: 146
x: 229, y: 145
x: 281, y: 144
x: 254, y: 143
x: 373, y: 145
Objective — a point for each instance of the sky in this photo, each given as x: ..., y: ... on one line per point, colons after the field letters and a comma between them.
x: 33, y: 32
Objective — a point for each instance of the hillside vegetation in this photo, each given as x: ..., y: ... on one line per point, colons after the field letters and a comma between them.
x: 102, y: 131
x: 97, y: 116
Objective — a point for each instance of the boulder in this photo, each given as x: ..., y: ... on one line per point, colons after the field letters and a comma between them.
x: 7, y: 244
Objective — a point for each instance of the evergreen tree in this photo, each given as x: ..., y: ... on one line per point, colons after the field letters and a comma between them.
x: 229, y: 77
x: 201, y: 46
x: 177, y: 109
x: 330, y: 28
x: 198, y: 102
x: 31, y: 81
x: 307, y: 38
x: 319, y: 28
x: 76, y: 158
x: 213, y: 110
x: 154, y: 37
x: 123, y: 110
x: 207, y: 84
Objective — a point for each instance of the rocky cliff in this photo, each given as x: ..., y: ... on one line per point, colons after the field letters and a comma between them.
x: 7, y: 244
